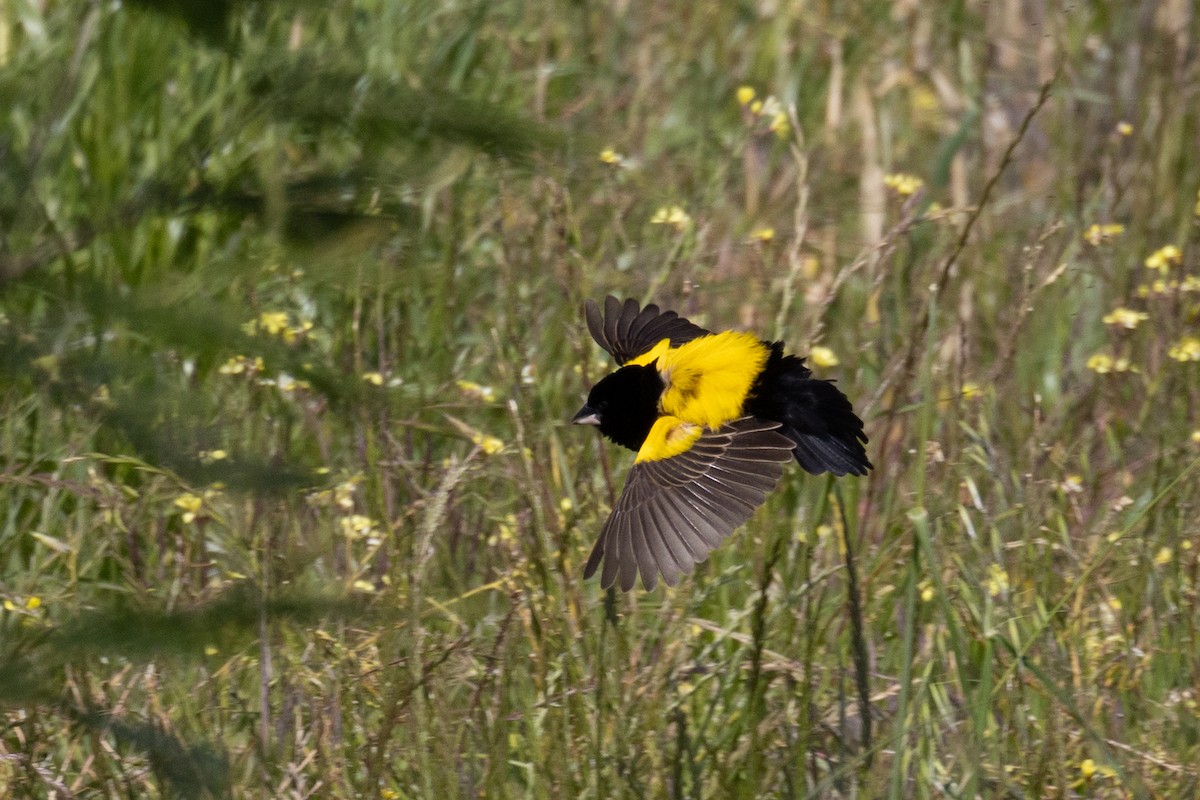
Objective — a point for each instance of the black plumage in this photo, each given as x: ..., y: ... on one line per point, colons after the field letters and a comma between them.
x: 692, y: 485
x: 813, y: 413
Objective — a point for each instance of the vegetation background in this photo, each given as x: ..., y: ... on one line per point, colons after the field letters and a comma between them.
x: 290, y: 310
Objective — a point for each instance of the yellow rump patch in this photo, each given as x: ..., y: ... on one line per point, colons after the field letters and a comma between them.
x: 668, y: 438
x: 707, y: 379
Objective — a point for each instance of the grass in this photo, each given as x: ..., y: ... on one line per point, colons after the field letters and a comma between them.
x: 290, y: 305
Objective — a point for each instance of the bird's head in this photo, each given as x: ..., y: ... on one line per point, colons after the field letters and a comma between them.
x: 624, y: 404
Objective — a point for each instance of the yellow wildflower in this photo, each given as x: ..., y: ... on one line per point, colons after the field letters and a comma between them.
x: 902, y: 183
x: 364, y: 586
x: 1196, y: 436
x: 970, y: 390
x: 1103, y: 364
x: 780, y: 126
x: 1087, y: 769
x: 822, y: 356
x: 373, y: 378
x: 611, y: 156
x: 343, y: 493
x: 273, y: 322
x: 292, y: 335
x: 341, y: 496
x: 285, y: 383
x: 1097, y: 235
x: 476, y: 391
x: 997, y: 580
x: 1164, y: 556
x: 745, y: 95
x: 763, y: 234
x: 33, y: 603
x: 1124, y: 128
x: 276, y: 323
x: 1188, y: 349
x: 674, y: 216
x: 356, y: 526
x: 756, y: 107
x: 1125, y: 318
x: 1164, y: 258
x: 190, y: 505
x: 241, y: 365
x: 926, y: 589
x: 489, y: 444
x: 210, y: 456
x: 506, y: 530
x: 1162, y: 286
x: 1114, y: 603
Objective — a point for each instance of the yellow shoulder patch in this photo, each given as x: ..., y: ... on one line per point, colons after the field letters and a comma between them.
x: 656, y: 352
x: 707, y: 379
x: 668, y: 438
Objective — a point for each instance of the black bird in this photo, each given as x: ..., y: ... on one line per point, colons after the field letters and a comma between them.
x: 713, y: 418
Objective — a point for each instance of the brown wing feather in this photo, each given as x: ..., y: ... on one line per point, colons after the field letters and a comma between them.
x: 626, y: 330
x: 673, y: 512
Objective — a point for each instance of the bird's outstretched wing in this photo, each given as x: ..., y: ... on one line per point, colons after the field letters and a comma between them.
x: 626, y: 331
x: 674, y: 511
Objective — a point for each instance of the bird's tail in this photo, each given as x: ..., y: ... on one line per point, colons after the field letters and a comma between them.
x: 827, y: 435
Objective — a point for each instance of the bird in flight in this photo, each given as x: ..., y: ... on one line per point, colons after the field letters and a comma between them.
x: 713, y: 418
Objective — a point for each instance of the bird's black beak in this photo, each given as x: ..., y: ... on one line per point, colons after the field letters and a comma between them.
x: 586, y: 416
